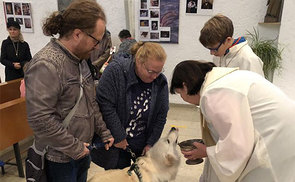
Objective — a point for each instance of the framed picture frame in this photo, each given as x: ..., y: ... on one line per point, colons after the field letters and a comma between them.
x: 159, y: 20
x: 20, y: 12
x: 199, y: 7
x: 191, y: 6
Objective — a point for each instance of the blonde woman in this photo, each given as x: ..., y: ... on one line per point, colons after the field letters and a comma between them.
x: 133, y: 97
x: 15, y: 52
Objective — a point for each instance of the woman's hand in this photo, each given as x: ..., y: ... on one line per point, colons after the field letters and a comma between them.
x: 146, y: 148
x: 109, y: 142
x: 17, y: 66
x: 199, y: 152
x: 123, y: 144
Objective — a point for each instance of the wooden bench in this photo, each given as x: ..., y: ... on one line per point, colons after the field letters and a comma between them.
x: 9, y: 90
x: 13, y: 120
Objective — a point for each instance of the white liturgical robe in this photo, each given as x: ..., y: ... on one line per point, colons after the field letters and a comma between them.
x: 253, y: 124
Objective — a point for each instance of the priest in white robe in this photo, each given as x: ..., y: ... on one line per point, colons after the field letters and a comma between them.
x: 248, y: 124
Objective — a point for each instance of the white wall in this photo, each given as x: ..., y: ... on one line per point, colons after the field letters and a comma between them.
x: 285, y: 79
x: 116, y: 21
x: 36, y: 40
x: 41, y: 9
x: 244, y: 14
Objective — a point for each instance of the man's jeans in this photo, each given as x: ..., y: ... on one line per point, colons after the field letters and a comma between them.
x: 73, y: 171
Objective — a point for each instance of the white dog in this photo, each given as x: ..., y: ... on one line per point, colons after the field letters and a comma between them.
x: 159, y: 164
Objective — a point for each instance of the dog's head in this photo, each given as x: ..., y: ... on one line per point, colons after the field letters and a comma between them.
x: 165, y: 150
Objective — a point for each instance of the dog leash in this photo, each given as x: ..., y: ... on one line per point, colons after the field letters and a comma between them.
x: 97, y: 145
x: 131, y: 153
x: 134, y: 167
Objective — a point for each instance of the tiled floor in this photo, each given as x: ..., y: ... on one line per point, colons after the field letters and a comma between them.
x: 185, y: 117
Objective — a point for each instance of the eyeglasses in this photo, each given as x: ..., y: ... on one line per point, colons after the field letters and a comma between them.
x: 153, y: 72
x: 97, y: 41
x: 216, y: 49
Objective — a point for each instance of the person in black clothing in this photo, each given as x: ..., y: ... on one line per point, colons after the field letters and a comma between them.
x: 15, y: 52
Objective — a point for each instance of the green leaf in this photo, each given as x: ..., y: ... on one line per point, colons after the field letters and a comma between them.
x: 266, y: 50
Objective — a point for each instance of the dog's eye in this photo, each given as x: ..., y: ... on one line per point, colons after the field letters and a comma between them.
x: 168, y: 141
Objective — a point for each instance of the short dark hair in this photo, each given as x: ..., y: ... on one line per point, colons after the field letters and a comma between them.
x: 216, y: 30
x: 124, y: 34
x: 192, y: 73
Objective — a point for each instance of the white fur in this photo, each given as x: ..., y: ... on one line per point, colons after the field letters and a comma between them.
x: 160, y: 164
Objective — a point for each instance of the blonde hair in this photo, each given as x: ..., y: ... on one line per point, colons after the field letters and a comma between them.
x: 216, y: 30
x: 80, y: 14
x: 145, y: 50
x: 20, y: 37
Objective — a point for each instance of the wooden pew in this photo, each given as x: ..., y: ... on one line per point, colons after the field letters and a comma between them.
x: 13, y: 120
x: 9, y: 90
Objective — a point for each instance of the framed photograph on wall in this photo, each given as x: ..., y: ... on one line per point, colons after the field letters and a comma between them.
x: 144, y: 13
x: 143, y: 4
x: 154, y: 13
x: 144, y: 35
x: 206, y: 7
x: 154, y: 3
x: 154, y: 25
x: 207, y: 4
x: 159, y: 20
x: 191, y: 6
x: 165, y: 34
x: 155, y: 36
x: 20, y: 12
x: 199, y: 7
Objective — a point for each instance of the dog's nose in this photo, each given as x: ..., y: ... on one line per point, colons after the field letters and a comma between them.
x: 173, y: 128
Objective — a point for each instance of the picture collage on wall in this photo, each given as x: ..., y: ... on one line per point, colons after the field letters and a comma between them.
x: 199, y: 7
x: 158, y: 20
x: 20, y: 12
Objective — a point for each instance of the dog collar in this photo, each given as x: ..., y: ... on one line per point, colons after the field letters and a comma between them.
x: 134, y: 167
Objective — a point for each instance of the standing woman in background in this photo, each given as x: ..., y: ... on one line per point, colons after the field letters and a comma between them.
x: 15, y: 52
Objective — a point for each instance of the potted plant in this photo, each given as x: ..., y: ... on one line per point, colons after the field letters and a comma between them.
x: 267, y: 51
